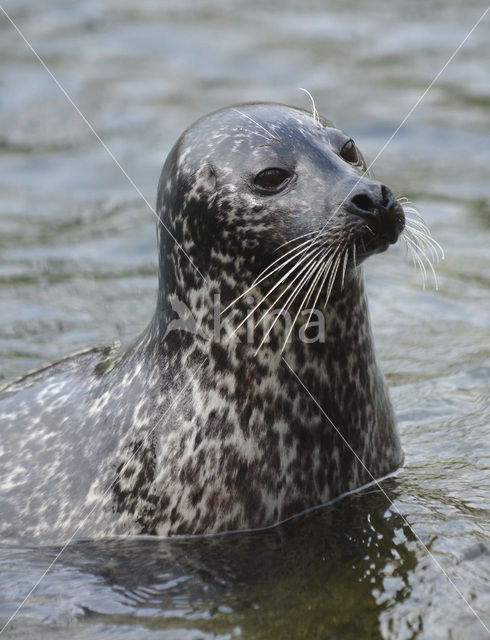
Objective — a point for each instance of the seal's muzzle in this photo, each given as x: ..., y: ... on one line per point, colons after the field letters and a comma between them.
x: 383, y: 216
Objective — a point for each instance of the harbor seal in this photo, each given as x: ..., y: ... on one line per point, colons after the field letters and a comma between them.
x: 217, y: 420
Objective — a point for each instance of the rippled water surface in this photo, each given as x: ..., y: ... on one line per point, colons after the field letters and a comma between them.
x: 78, y: 267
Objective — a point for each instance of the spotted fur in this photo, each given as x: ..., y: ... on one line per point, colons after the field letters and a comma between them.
x: 183, y: 433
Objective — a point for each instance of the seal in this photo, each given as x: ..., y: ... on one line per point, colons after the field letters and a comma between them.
x: 217, y: 420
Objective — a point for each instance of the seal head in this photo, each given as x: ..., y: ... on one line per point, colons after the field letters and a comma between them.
x: 244, y: 182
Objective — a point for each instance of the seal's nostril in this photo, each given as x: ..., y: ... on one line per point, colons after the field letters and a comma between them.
x: 363, y: 202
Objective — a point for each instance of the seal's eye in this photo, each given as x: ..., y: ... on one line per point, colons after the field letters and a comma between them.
x: 349, y: 152
x: 271, y: 180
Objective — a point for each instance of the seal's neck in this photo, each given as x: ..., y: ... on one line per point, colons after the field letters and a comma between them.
x: 322, y: 387
x: 208, y: 312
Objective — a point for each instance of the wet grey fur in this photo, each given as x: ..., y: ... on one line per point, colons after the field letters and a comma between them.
x: 185, y: 434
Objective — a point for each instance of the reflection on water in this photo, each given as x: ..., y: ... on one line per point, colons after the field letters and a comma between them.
x: 77, y: 267
x: 337, y: 569
x: 351, y: 570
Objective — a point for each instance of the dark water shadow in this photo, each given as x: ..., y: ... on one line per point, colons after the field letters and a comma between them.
x: 321, y: 575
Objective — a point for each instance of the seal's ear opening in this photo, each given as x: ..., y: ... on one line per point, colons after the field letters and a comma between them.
x: 207, y: 178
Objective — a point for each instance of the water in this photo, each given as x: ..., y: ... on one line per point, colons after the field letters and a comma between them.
x: 77, y: 267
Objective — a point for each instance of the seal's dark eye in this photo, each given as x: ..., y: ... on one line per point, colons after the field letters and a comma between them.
x: 271, y: 180
x: 349, y: 152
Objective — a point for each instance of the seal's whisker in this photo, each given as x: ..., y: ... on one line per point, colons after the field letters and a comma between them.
x: 423, y: 233
x: 324, y: 256
x: 415, y: 225
x: 422, y: 237
x: 314, y: 273
x: 409, y: 207
x: 322, y: 272
x: 413, y: 248
x: 305, y: 245
x: 427, y: 241
x: 418, y: 248
x: 310, y: 233
x: 414, y: 216
x: 294, y: 252
x: 365, y: 226
x: 422, y: 243
x: 270, y: 135
x: 410, y: 210
x: 344, y: 267
x: 415, y: 222
x: 418, y: 263
x: 335, y: 268
x: 274, y: 287
x: 278, y: 265
x: 298, y: 275
x: 328, y: 267
x: 325, y: 273
x: 316, y: 117
x: 404, y: 201
x: 266, y: 273
x: 320, y: 266
x: 285, y: 306
x: 412, y: 213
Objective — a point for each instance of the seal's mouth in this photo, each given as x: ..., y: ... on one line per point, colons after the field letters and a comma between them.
x: 381, y: 229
